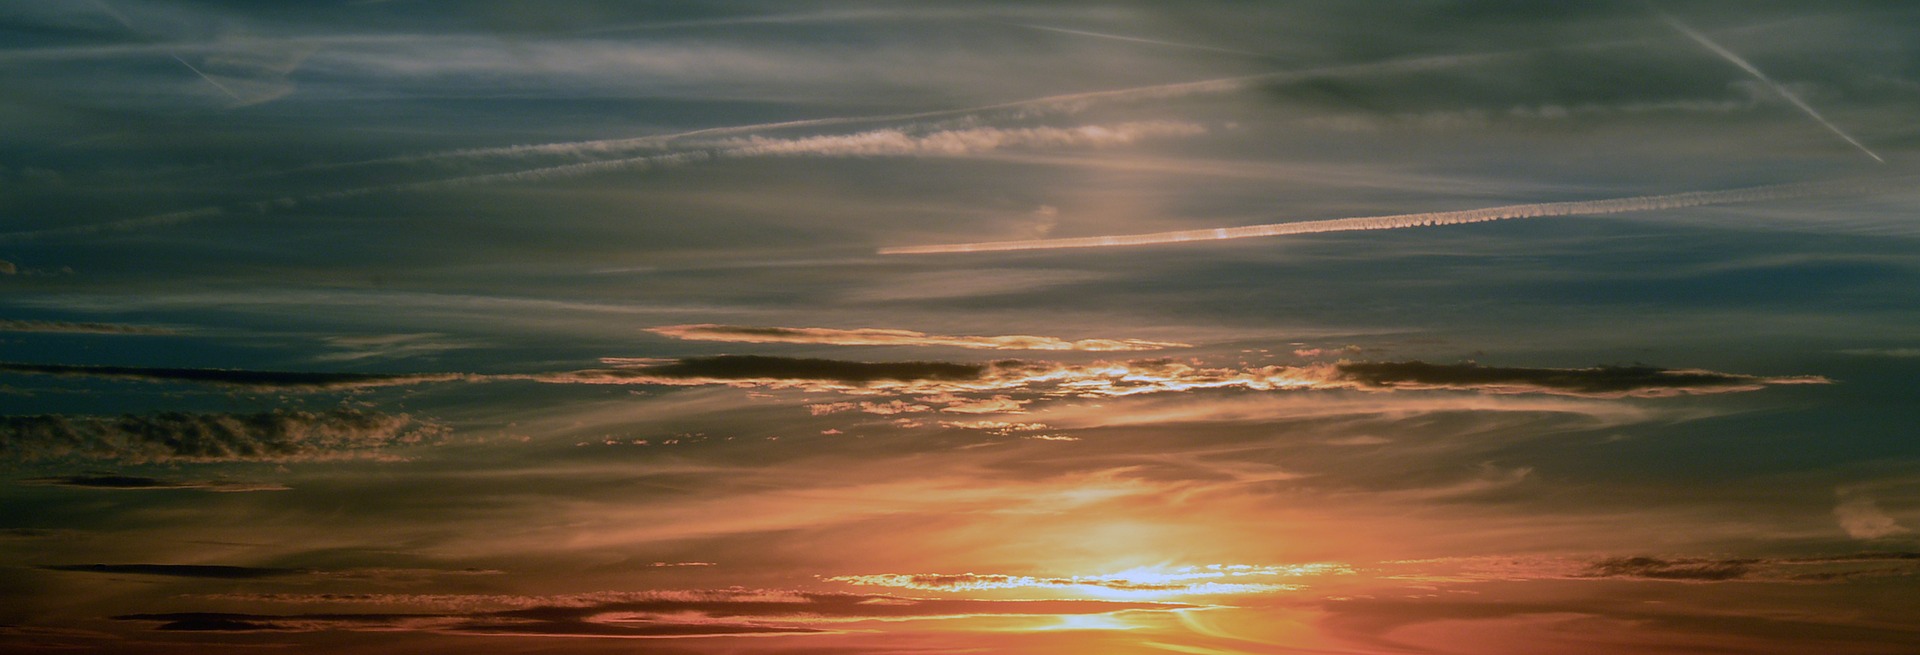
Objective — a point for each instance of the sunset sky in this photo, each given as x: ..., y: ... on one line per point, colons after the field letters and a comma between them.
x: 1473, y: 327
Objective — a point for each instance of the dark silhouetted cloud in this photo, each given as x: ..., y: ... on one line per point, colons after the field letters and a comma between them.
x: 135, y: 482
x: 1597, y: 381
x: 891, y: 337
x: 758, y: 367
x: 620, y: 614
x: 279, y: 380
x: 180, y: 570
x: 279, y: 435
x: 1664, y: 569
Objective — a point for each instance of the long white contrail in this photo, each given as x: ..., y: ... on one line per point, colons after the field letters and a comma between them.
x: 1135, y: 39
x: 1744, y: 65
x: 1063, y: 103
x: 1428, y: 219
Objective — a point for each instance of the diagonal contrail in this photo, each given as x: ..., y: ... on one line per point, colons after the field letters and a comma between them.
x: 216, y: 84
x: 1744, y: 65
x: 1427, y: 219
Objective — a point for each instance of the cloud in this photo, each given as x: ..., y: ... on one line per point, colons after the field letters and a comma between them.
x: 890, y: 337
x: 1798, y: 570
x: 1429, y: 219
x: 11, y: 325
x: 655, y: 614
x: 873, y: 143
x: 1883, y: 352
x: 953, y: 143
x: 180, y: 570
x: 1604, y: 381
x: 1863, y: 519
x: 7, y: 268
x: 276, y: 436
x: 1661, y: 569
x: 354, y: 348
x: 984, y: 387
x: 279, y: 380
x: 138, y: 482
x: 775, y: 370
x: 1183, y: 580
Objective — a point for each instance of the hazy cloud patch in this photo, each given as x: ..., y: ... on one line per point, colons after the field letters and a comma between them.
x: 72, y: 327
x: 275, y: 436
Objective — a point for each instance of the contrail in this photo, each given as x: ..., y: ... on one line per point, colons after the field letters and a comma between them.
x: 1744, y: 65
x: 222, y: 87
x: 1135, y: 39
x: 874, y: 143
x: 1427, y: 219
x: 1061, y: 102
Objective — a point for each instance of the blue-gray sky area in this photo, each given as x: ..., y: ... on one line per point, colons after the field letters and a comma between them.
x: 1438, y: 326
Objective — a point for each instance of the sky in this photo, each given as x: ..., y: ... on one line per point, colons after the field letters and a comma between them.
x: 752, y: 327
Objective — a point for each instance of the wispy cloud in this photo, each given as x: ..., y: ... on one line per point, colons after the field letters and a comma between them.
x: 1143, y: 40
x: 1145, y: 581
x: 891, y: 337
x: 1430, y: 219
x: 387, y: 346
x: 874, y: 143
x: 1862, y: 518
x: 71, y: 327
x: 276, y: 436
x: 1798, y: 570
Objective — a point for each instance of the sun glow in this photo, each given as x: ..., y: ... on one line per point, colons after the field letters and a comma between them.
x: 1139, y: 583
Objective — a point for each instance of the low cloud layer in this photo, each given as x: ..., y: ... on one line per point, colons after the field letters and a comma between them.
x: 135, y: 482
x: 889, y: 337
x: 1790, y: 569
x: 69, y: 327
x: 738, y: 368
x: 986, y: 387
x: 288, y: 380
x: 1166, y: 375
x: 276, y: 436
x: 212, y: 572
x: 1642, y: 381
x: 732, y: 612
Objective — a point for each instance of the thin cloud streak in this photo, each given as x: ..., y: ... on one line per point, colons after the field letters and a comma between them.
x: 1744, y: 65
x: 246, y: 379
x: 73, y: 327
x: 873, y: 143
x: 890, y: 337
x: 1135, y: 39
x: 1431, y: 219
x: 1067, y: 103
